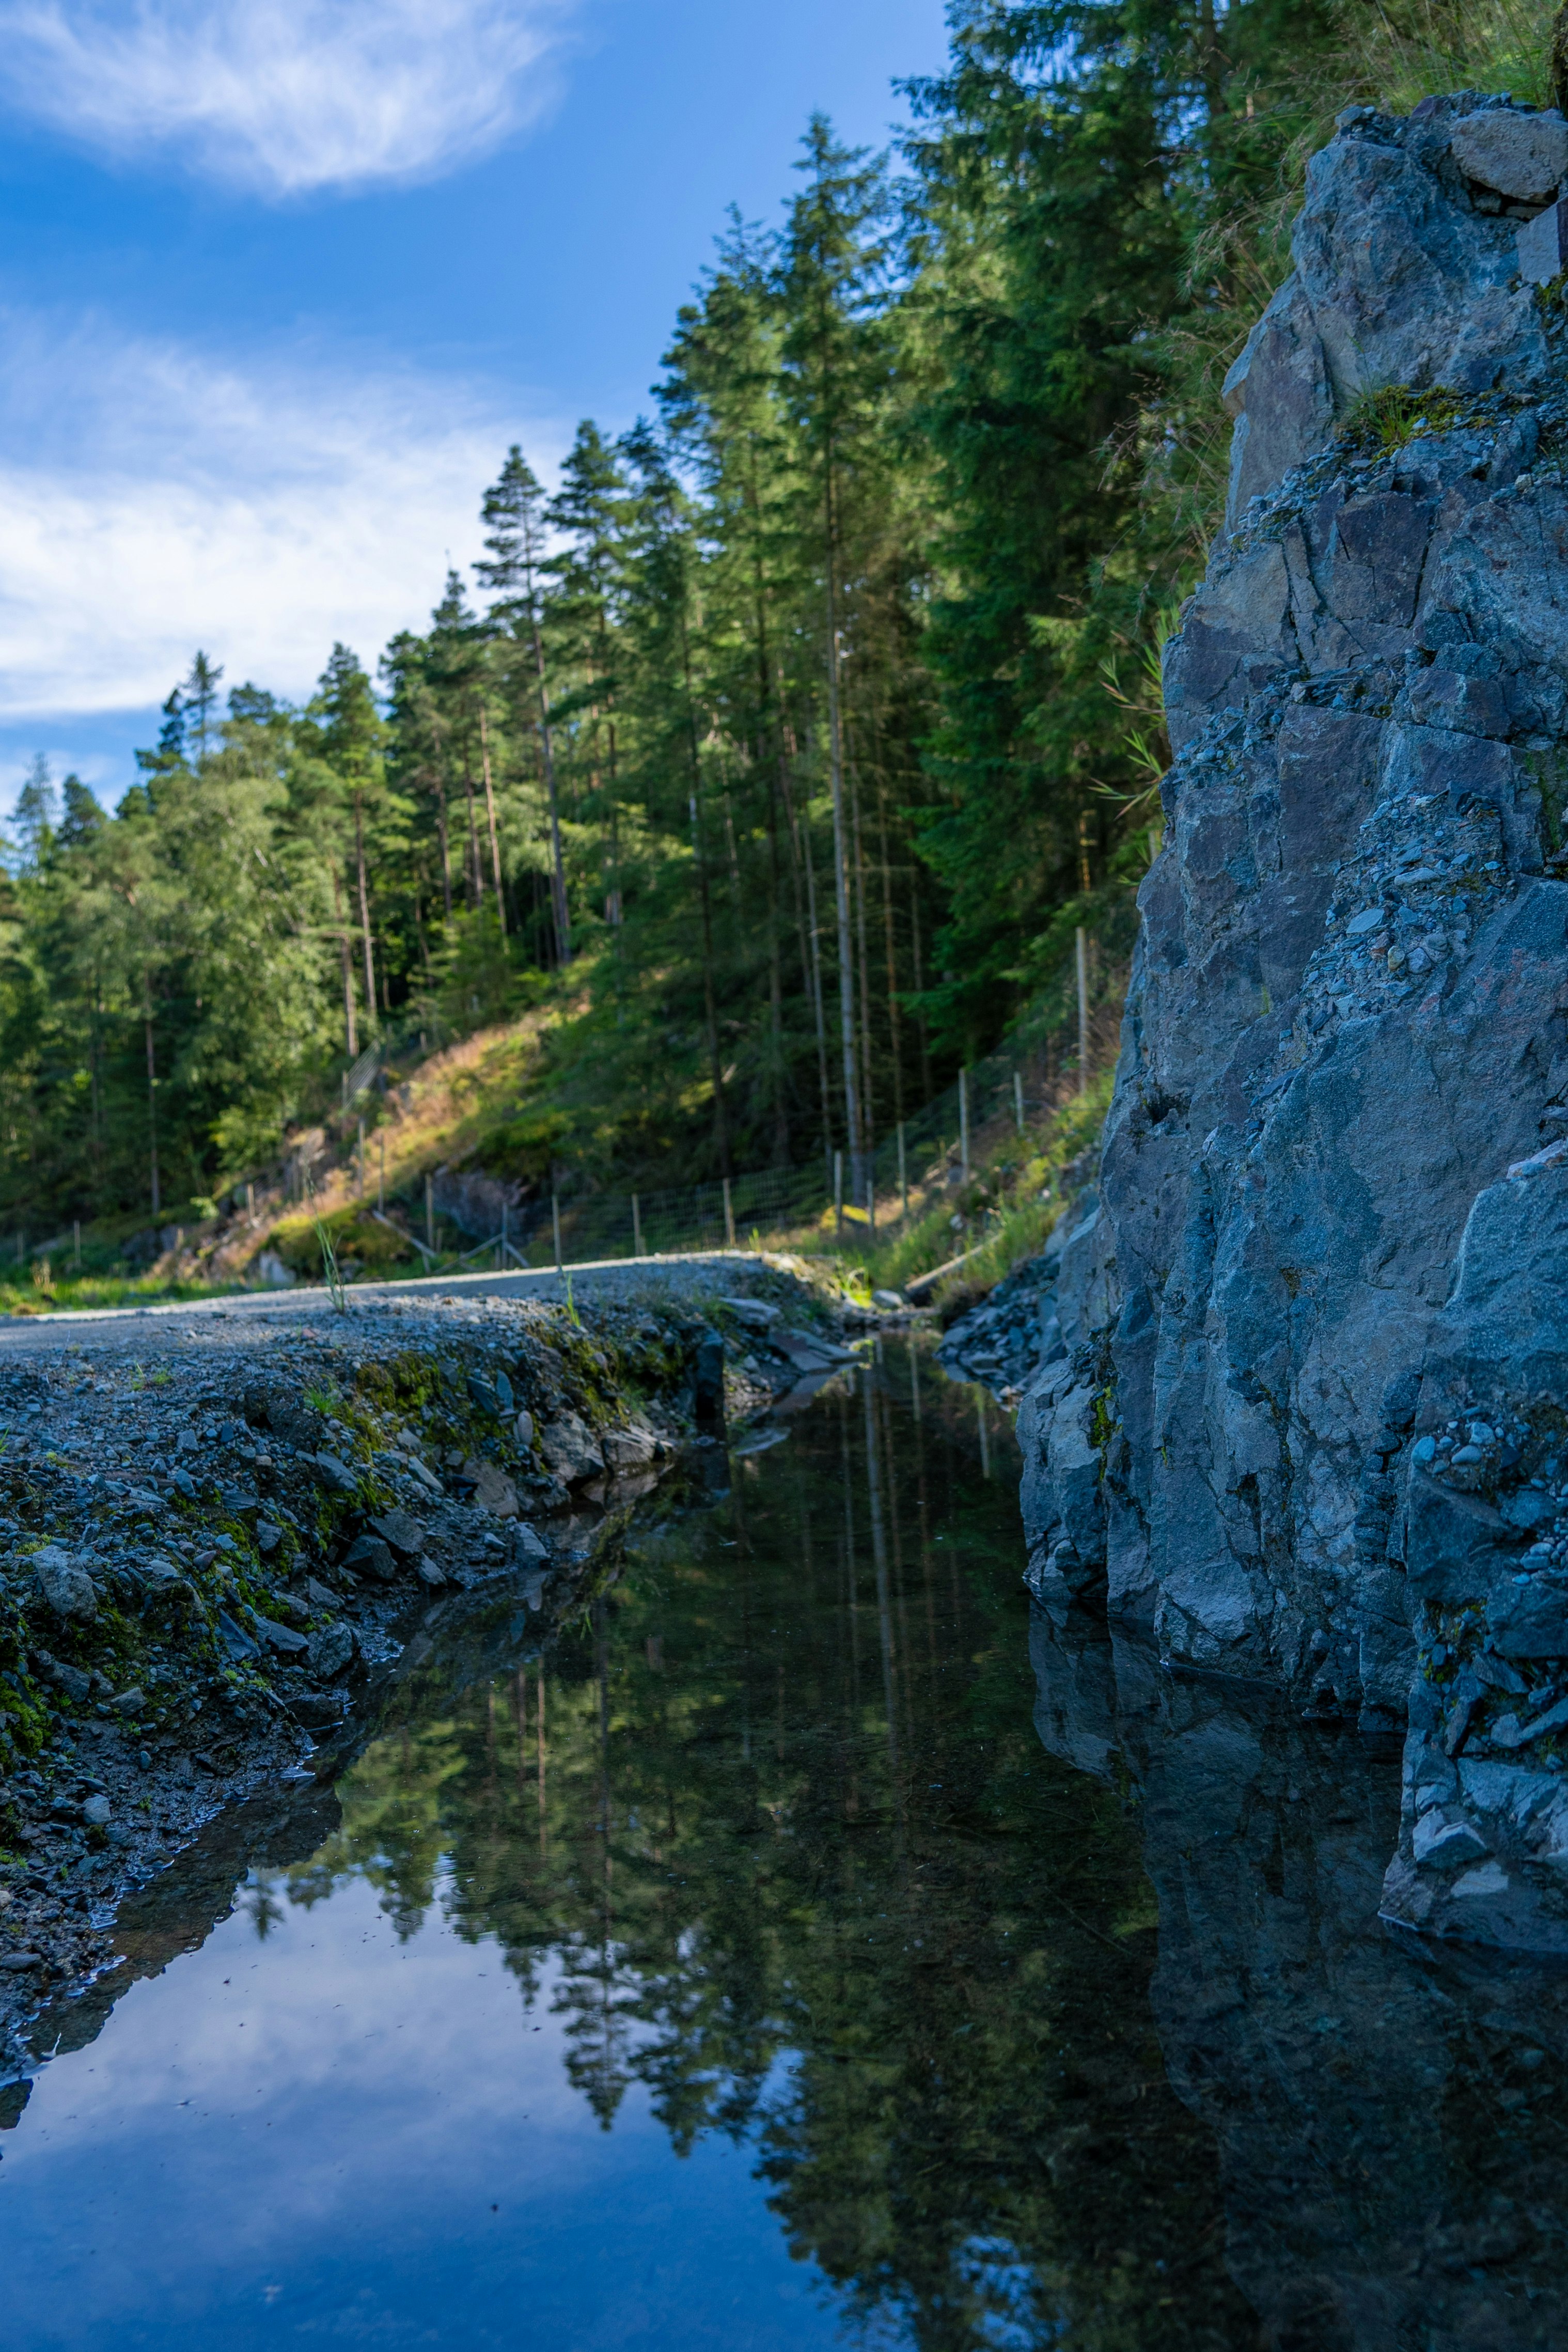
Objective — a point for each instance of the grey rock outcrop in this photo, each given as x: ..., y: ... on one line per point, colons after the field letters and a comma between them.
x: 1305, y: 1419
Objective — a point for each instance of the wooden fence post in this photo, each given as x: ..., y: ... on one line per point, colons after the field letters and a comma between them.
x: 555, y: 1223
x: 728, y: 1216
x: 430, y: 1214
x: 837, y: 1193
x: 903, y: 1172
x: 964, y: 1122
x: 638, y: 1250
x: 1018, y: 1097
x: 1083, y: 949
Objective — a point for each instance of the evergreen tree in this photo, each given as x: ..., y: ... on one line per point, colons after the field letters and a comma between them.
x: 513, y: 570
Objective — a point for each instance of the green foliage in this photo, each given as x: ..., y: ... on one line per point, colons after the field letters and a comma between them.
x: 798, y: 729
x: 1393, y: 415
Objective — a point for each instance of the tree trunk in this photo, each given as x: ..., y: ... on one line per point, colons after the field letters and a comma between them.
x: 841, y: 898
x: 364, y: 909
x: 558, y: 905
x: 495, y: 836
x: 775, y: 982
x: 894, y: 1039
x: 721, y: 1123
x: 446, y: 848
x: 805, y: 921
x: 475, y: 877
x: 351, y: 1029
x: 920, y: 983
x: 867, y: 1112
x: 152, y: 1105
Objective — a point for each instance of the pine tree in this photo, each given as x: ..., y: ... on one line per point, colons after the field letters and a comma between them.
x: 514, y: 517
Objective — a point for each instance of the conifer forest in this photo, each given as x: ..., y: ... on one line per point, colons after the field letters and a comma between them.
x: 777, y: 749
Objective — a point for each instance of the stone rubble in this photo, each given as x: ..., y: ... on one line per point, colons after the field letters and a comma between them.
x: 1304, y: 1416
x: 210, y: 1552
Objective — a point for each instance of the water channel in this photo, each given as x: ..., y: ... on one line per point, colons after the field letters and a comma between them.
x: 810, y: 1945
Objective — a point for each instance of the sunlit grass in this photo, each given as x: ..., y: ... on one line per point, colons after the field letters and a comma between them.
x: 22, y: 1296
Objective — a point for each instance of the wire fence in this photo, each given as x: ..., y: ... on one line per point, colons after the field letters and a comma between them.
x: 1067, y: 1031
x: 1045, y: 1059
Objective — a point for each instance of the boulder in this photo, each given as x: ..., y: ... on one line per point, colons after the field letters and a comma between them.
x: 336, y: 1474
x: 282, y: 1638
x: 494, y: 1490
x: 330, y: 1651
x: 1521, y: 156
x: 64, y: 1585
x: 401, y: 1531
x: 631, y: 1448
x: 368, y: 1556
x: 570, y: 1449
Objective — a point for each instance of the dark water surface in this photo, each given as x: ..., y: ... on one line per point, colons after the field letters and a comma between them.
x: 806, y: 1947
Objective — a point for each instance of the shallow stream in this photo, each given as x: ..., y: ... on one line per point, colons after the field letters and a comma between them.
x: 806, y: 1946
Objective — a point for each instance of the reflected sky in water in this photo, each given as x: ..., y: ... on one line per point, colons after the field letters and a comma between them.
x: 740, y: 1971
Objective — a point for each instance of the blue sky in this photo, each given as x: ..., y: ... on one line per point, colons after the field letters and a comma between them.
x: 279, y: 280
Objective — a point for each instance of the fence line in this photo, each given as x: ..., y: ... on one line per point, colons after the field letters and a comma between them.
x: 1045, y: 1057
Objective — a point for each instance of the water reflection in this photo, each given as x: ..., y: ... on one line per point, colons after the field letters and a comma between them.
x: 774, y: 1816
x: 807, y: 1943
x: 1390, y: 2114
x: 773, y: 1867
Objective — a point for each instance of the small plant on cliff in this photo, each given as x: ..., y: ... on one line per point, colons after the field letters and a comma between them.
x: 1393, y: 415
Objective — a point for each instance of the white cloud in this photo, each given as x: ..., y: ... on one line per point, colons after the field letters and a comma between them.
x: 166, y: 502
x: 286, y: 96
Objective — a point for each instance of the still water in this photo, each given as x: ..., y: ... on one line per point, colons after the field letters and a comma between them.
x: 803, y: 1949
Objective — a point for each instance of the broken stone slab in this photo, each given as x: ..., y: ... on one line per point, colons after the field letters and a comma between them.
x: 808, y: 1352
x: 1530, y: 1621
x: 64, y: 1584
x: 1508, y: 1731
x: 402, y: 1530
x: 368, y: 1555
x: 235, y: 1643
x: 338, y: 1473
x: 1543, y: 245
x: 76, y: 1685
x: 281, y: 1637
x: 493, y: 1491
x: 631, y: 1448
x: 569, y: 1448
x: 330, y: 1651
x: 1520, y: 156
x: 754, y: 1313
x: 318, y: 1710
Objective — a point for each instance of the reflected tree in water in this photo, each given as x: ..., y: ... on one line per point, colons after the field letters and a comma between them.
x: 778, y: 1818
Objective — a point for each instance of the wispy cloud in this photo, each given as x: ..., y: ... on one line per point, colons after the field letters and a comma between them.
x: 286, y: 96
x: 168, y: 501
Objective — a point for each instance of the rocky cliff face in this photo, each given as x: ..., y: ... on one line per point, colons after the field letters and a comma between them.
x: 1308, y: 1416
